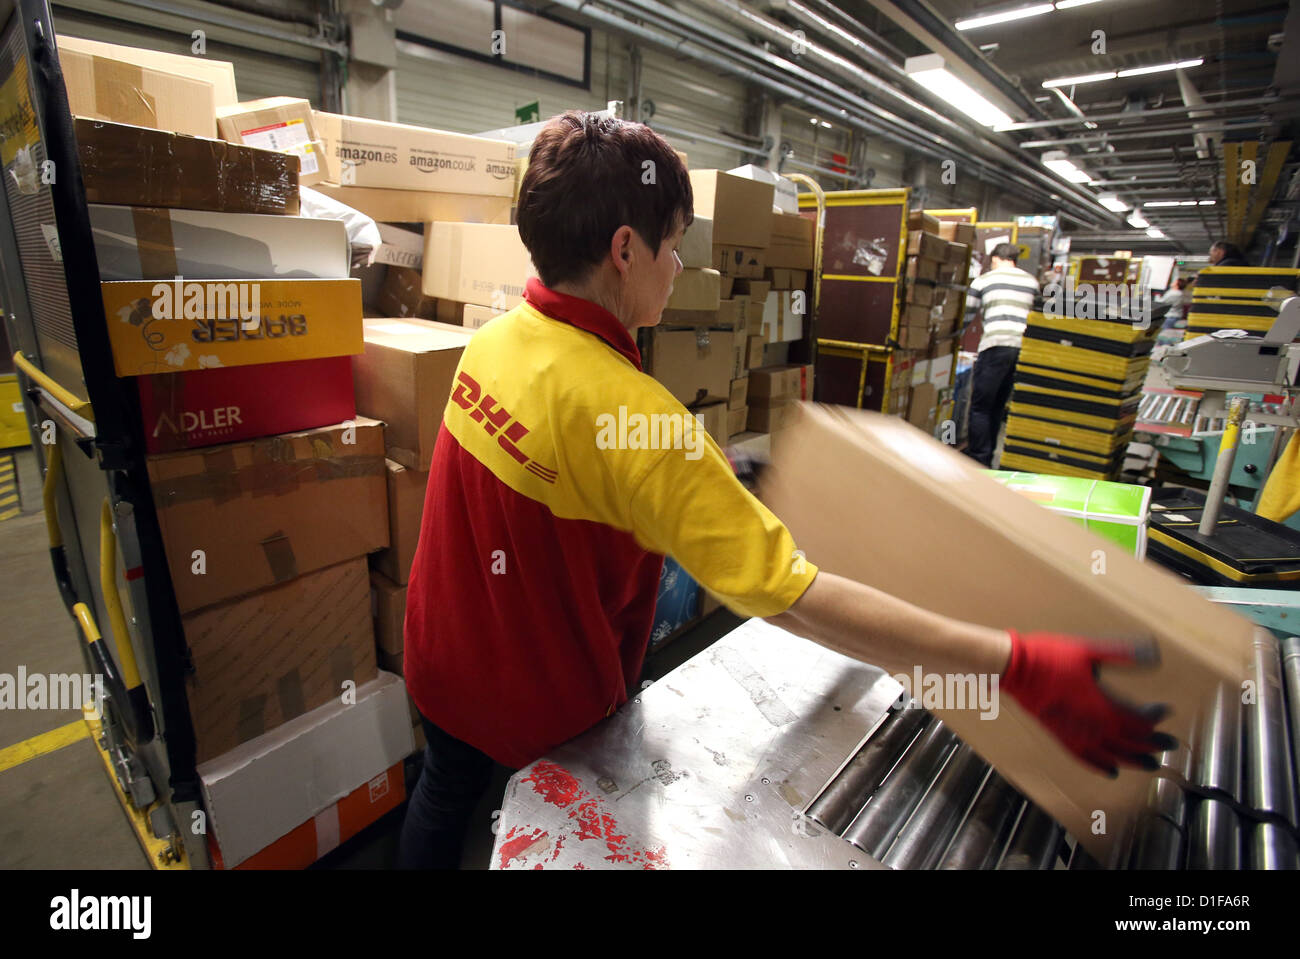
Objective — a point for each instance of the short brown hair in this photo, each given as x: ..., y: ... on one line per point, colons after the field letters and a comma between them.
x: 589, y: 175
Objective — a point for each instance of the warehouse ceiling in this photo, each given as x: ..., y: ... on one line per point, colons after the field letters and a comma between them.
x: 1130, y: 133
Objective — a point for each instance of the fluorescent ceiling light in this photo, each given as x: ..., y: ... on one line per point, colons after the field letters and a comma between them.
x: 1137, y: 220
x: 1058, y: 161
x: 1162, y: 68
x: 1156, y: 234
x: 1073, y: 81
x: 1156, y: 203
x: 929, y: 72
x: 1112, y: 203
x: 1005, y: 16
x: 1067, y: 4
x: 1207, y: 203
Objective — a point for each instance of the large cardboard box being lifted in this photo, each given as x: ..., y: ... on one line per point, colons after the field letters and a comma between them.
x: 952, y: 540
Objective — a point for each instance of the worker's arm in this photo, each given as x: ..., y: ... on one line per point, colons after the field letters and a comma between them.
x: 1054, y: 677
x: 881, y: 629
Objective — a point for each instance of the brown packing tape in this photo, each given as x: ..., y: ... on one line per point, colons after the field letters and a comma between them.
x: 341, y: 666
x: 153, y: 241
x: 252, y: 718
x: 119, y: 93
x: 219, y: 477
x: 279, y: 557
x: 260, y: 479
x: 278, y: 469
x: 292, y: 701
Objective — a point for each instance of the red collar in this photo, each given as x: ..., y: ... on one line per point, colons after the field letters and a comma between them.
x: 585, y: 315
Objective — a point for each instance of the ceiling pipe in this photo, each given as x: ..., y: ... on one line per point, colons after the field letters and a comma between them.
x: 1144, y: 134
x: 1182, y: 109
x: 1079, y: 206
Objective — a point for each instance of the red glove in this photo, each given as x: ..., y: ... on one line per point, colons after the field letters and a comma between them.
x: 1055, y: 678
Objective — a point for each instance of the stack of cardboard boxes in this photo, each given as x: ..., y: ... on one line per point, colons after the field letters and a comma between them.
x: 929, y: 317
x: 269, y: 489
x: 729, y: 303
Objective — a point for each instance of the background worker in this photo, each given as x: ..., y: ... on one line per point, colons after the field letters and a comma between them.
x: 532, y: 592
x: 1223, y: 253
x: 1005, y: 295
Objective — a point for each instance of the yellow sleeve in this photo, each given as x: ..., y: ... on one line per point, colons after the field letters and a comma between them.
x: 696, y: 511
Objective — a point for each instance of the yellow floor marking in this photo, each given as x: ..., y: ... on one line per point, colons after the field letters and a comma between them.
x: 29, y: 749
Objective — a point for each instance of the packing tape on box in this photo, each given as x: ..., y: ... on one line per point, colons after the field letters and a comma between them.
x: 292, y: 701
x: 119, y: 93
x: 222, y: 481
x: 154, y: 242
x: 280, y: 557
x: 219, y: 478
x: 252, y: 718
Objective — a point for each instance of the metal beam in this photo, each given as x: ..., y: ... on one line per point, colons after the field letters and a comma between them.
x: 1147, y: 134
x: 1142, y: 114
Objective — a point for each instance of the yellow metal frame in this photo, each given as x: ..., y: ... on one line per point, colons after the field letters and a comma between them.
x: 42, y: 379
x: 970, y: 212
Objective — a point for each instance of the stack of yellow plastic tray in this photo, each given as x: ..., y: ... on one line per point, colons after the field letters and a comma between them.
x: 1238, y: 298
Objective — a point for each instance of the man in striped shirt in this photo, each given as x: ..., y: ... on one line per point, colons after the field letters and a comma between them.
x: 1006, y: 295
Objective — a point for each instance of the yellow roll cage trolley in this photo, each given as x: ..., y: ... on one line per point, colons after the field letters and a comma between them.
x: 105, y: 543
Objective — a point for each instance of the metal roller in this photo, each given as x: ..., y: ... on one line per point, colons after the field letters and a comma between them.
x: 1159, y: 845
x: 1270, y: 786
x: 1272, y: 847
x: 1291, y: 680
x: 1218, y: 753
x: 1213, y: 836
x: 1165, y: 797
x: 848, y: 792
x: 982, y: 837
x: 924, y: 837
x: 1081, y: 860
x: 883, y: 816
x: 1035, y: 842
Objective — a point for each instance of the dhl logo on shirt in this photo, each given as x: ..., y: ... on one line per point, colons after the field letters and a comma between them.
x: 482, y: 408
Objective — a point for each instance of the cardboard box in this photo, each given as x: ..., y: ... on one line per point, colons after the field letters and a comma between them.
x: 755, y: 289
x: 404, y: 378
x: 388, y: 606
x: 153, y: 328
x: 417, y: 206
x: 219, y: 73
x: 739, y: 393
x: 140, y: 166
x: 920, y: 372
x: 785, y: 195
x: 741, y: 209
x: 928, y: 246
x: 738, y: 262
x: 958, y: 232
x: 400, y: 247
x: 399, y: 156
x: 737, y: 420
x: 914, y: 337
x: 730, y: 315
x: 960, y: 544
x: 783, y: 316
x: 695, y: 364
x: 270, y: 656
x: 792, y: 241
x: 476, y: 263
x: 753, y: 354
x: 957, y: 253
x: 295, y: 776
x: 155, y: 243
x: 923, y: 294
x: 922, y: 221
x: 255, y: 508
x: 402, y: 295
x: 206, y: 407
x: 714, y: 418
x: 475, y: 316
x: 406, y: 491
x: 102, y: 88
x: 283, y: 124
x: 769, y: 419
x: 695, y: 290
x: 696, y: 250
x: 921, y: 269
x: 333, y: 826
x: 775, y: 384
x: 952, y: 306
x: 941, y: 369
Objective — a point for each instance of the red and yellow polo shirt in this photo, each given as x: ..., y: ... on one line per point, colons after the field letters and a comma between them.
x: 557, y: 486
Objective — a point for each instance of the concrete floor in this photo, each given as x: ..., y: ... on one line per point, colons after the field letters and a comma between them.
x: 58, y: 811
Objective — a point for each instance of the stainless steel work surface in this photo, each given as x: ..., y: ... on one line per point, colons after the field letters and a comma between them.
x: 711, y: 767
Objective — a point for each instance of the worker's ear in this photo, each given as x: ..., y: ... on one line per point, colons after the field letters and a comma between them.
x: 620, y: 248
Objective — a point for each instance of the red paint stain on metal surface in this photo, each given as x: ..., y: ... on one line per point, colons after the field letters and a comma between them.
x: 560, y: 788
x: 517, y: 845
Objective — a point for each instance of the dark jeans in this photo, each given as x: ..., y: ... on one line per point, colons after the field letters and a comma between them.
x: 454, y: 778
x: 990, y: 390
